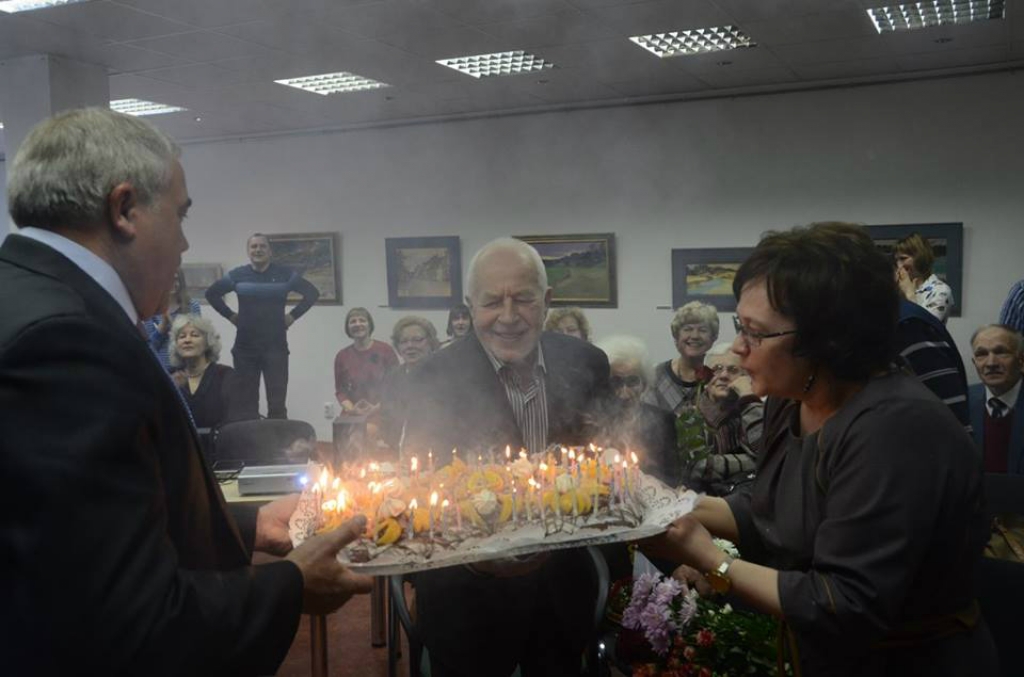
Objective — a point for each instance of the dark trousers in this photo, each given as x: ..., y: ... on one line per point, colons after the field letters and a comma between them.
x: 481, y: 626
x: 249, y: 364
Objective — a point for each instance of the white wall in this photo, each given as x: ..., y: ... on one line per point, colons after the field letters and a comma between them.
x: 694, y: 174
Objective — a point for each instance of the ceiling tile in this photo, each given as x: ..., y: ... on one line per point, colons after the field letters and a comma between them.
x: 846, y: 69
x: 217, y: 13
x: 291, y: 34
x: 832, y: 50
x: 761, y: 10
x: 810, y: 28
x: 199, y: 76
x: 123, y: 58
x: 609, y: 60
x: 107, y: 20
x: 385, y: 18
x: 564, y: 86
x: 726, y: 77
x: 492, y: 11
x: 202, y: 46
x: 564, y: 28
x: 660, y: 16
x: 664, y: 84
x: 953, y: 58
x: 948, y: 38
x: 445, y: 43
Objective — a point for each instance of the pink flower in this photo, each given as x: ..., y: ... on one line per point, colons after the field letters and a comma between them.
x: 689, y: 652
x: 705, y: 637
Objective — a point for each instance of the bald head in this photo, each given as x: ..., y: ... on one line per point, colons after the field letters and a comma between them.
x: 506, y: 248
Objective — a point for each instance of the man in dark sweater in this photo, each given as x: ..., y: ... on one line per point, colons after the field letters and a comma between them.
x: 261, y: 342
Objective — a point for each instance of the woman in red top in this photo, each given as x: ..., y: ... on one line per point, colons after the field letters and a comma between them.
x: 359, y: 369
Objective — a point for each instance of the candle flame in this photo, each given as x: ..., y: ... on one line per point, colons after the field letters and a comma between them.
x: 444, y: 505
x: 362, y: 474
x: 508, y: 452
x: 374, y: 467
x: 336, y: 483
x: 572, y: 455
x: 323, y: 479
x: 635, y: 459
x: 415, y: 464
x: 625, y: 466
x: 342, y: 500
x: 592, y: 447
x: 454, y: 452
x: 617, y: 459
x: 433, y: 499
x: 413, y: 505
x: 522, y: 453
x: 543, y: 466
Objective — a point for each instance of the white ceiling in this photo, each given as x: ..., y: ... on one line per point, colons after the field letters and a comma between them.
x: 219, y: 58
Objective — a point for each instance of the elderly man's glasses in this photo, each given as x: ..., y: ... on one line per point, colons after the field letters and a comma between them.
x: 754, y: 338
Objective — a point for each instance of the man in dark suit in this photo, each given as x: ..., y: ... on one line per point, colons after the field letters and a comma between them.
x: 507, y: 384
x: 997, y: 408
x: 118, y: 555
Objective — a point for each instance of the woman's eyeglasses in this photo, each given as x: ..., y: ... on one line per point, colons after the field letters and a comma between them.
x: 753, y: 338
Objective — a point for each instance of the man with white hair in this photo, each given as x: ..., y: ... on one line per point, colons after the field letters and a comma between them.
x: 996, y: 404
x: 119, y: 555
x: 507, y: 384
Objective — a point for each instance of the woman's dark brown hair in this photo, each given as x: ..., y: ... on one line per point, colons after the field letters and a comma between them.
x: 837, y: 287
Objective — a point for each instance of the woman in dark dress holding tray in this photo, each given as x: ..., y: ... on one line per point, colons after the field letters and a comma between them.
x: 864, y: 524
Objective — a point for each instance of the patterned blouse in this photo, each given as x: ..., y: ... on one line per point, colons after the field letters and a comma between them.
x: 936, y: 297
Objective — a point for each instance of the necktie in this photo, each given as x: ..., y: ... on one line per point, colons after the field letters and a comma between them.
x: 997, y: 406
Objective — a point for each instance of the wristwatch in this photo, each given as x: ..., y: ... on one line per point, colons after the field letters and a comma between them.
x: 718, y: 578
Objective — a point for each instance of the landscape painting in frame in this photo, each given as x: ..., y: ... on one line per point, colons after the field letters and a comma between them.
x: 706, y: 275
x: 316, y: 257
x: 581, y: 268
x: 947, y: 241
x: 199, y: 277
x: 423, y: 272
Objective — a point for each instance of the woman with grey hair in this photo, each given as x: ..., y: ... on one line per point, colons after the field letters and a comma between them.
x: 634, y: 424
x: 415, y: 339
x: 158, y: 327
x: 569, y: 321
x: 678, y: 381
x: 206, y: 387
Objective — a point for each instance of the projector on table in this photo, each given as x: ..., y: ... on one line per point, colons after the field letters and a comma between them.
x: 271, y: 479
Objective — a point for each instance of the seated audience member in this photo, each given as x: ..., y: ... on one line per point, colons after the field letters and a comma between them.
x: 676, y: 382
x: 158, y: 327
x: 360, y: 368
x: 925, y: 348
x: 1012, y: 314
x: 415, y: 338
x: 863, y: 527
x: 460, y: 323
x: 917, y: 282
x: 568, y: 321
x: 635, y: 425
x: 997, y: 408
x: 206, y: 386
x: 734, y: 417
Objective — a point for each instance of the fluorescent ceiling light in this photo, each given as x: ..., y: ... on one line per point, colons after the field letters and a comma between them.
x: 332, y: 83
x: 12, y: 6
x: 140, y: 107
x: 499, y: 63
x: 914, y: 15
x: 696, y: 41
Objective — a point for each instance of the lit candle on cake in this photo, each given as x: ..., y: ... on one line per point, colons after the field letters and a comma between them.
x: 430, y: 462
x: 634, y: 473
x: 414, y: 468
x: 622, y: 484
x: 430, y: 514
x: 444, y: 516
x: 572, y: 462
x: 529, y: 499
x: 412, y: 517
x: 515, y: 513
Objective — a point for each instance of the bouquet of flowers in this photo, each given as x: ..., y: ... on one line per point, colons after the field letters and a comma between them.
x: 670, y: 631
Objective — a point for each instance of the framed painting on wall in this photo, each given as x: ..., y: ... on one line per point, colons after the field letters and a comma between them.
x: 947, y: 241
x: 423, y: 272
x: 198, y: 278
x: 581, y: 268
x: 315, y: 256
x: 706, y: 275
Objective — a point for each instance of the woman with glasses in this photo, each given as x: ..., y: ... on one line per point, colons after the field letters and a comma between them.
x: 632, y: 424
x: 677, y: 381
x: 733, y: 417
x: 415, y: 338
x: 864, y: 523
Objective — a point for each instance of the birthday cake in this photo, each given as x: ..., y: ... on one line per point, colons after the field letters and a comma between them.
x: 464, y: 512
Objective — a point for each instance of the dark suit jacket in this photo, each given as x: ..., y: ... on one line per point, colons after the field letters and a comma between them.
x: 457, y: 400
x: 976, y: 397
x: 117, y: 552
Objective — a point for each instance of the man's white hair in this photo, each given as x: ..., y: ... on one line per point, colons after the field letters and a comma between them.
x: 528, y: 254
x: 622, y: 349
x: 720, y: 348
x: 68, y: 164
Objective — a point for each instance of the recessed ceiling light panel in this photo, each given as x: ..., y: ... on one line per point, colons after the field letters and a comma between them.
x: 13, y: 6
x: 910, y: 16
x: 499, y: 63
x: 332, y: 83
x: 140, y: 107
x: 696, y: 41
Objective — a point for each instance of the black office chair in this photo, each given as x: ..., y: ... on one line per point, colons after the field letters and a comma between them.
x: 1000, y: 583
x: 266, y: 441
x: 399, y: 613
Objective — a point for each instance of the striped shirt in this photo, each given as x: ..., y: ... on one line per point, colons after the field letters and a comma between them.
x: 1012, y: 314
x: 529, y: 401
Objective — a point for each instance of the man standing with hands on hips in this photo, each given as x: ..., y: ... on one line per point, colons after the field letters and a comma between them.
x: 118, y: 554
x: 261, y: 342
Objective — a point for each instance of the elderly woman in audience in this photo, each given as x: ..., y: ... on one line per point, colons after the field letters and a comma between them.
x: 460, y: 323
x: 415, y: 338
x: 158, y: 327
x: 678, y: 381
x: 633, y: 424
x: 359, y: 368
x: 733, y: 418
x: 568, y: 321
x: 207, y: 387
x: 864, y: 523
x: 917, y: 282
